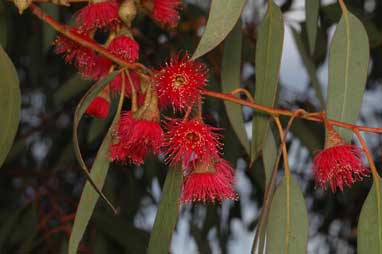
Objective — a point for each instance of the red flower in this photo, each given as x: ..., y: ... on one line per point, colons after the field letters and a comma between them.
x: 166, y: 12
x: 98, y: 108
x: 100, y: 15
x: 338, y: 164
x: 187, y: 142
x: 69, y: 48
x: 135, y: 139
x: 116, y: 83
x: 179, y: 83
x: 89, y: 64
x: 125, y: 47
x: 209, y: 182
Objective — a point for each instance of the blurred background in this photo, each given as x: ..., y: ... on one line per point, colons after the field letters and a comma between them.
x: 41, y: 181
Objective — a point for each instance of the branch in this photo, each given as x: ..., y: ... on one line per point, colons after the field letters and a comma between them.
x: 228, y: 97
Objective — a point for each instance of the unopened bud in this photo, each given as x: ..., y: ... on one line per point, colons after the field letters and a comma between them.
x: 127, y: 11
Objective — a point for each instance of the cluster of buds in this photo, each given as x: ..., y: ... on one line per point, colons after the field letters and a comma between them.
x: 187, y: 142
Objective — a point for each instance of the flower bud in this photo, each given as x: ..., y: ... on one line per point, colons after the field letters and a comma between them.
x: 127, y: 11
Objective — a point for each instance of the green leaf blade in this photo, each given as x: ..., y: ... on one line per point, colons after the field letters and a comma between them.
x: 167, y: 215
x: 10, y: 104
x: 89, y: 196
x: 312, y: 8
x: 222, y: 18
x: 81, y: 109
x: 269, y: 156
x: 348, y: 67
x: 231, y: 78
x: 97, y: 176
x: 268, y: 59
x: 288, y: 221
x: 370, y: 223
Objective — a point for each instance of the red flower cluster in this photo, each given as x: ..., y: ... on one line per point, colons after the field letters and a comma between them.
x: 104, y: 16
x: 188, y: 143
x: 136, y: 138
x: 338, y: 164
x: 166, y: 12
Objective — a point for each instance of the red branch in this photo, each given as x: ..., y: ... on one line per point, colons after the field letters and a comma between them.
x: 86, y: 43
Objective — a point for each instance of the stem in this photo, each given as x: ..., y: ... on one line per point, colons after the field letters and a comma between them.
x: 228, y: 97
x: 134, y: 101
x: 376, y: 179
x: 282, y: 112
x: 83, y: 42
x: 270, y: 187
x: 343, y: 6
x: 373, y: 168
x: 244, y: 91
x: 287, y: 179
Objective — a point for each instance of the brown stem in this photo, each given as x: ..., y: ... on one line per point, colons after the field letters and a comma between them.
x: 83, y: 42
x: 282, y: 112
x: 229, y: 97
x: 270, y: 187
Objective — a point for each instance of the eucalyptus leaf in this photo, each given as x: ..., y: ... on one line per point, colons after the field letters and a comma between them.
x: 348, y: 66
x: 10, y: 104
x: 370, y: 223
x: 288, y: 220
x: 268, y: 59
x: 231, y: 78
x: 312, y: 8
x: 167, y: 214
x: 98, y: 173
x: 223, y: 17
x: 269, y: 156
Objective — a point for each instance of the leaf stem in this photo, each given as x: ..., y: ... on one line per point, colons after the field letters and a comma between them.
x: 287, y: 179
x: 343, y: 6
x: 244, y: 91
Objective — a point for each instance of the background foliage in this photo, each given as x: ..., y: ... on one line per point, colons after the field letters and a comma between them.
x: 41, y: 181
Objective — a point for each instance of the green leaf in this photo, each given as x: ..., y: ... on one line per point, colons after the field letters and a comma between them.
x: 348, y: 66
x: 312, y: 8
x: 167, y: 215
x: 99, y: 170
x: 10, y: 104
x: 288, y: 221
x: 3, y: 26
x: 89, y: 196
x: 231, y: 78
x: 81, y: 108
x: 268, y: 59
x: 269, y: 156
x: 370, y: 223
x: 309, y: 65
x: 223, y: 17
